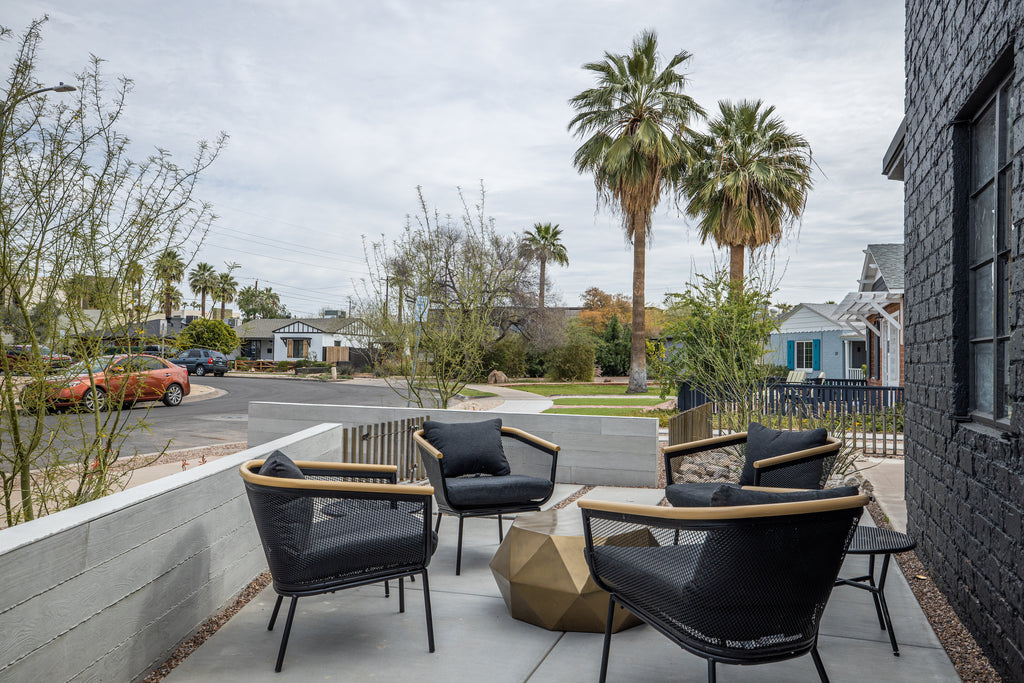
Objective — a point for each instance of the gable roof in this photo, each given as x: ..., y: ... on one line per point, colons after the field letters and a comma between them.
x: 889, y: 260
x: 264, y: 328
x: 808, y: 316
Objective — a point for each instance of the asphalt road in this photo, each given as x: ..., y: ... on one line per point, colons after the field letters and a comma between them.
x: 223, y: 419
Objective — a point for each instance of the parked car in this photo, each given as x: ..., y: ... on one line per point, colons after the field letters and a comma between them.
x: 138, y: 377
x: 21, y: 355
x: 201, y: 362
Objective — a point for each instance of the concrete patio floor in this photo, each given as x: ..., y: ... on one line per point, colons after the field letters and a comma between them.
x: 358, y: 634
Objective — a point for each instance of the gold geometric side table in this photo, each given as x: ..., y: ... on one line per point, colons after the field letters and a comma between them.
x: 543, y: 576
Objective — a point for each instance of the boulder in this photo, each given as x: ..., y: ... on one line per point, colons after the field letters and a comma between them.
x: 497, y: 377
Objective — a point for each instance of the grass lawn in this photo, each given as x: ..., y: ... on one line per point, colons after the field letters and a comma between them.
x: 473, y: 393
x: 661, y: 415
x: 630, y: 400
x: 584, y: 389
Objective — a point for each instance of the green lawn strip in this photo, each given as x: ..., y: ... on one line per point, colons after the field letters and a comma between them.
x: 583, y: 389
x: 474, y: 393
x: 661, y: 415
x: 608, y: 401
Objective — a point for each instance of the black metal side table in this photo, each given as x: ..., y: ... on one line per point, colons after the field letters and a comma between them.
x: 871, y: 541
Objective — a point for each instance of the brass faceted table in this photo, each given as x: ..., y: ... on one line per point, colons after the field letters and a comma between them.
x: 543, y: 576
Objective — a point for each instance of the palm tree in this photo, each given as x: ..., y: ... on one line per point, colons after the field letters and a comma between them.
x: 748, y: 180
x: 632, y: 124
x: 169, y: 270
x: 225, y: 291
x: 545, y: 242
x: 201, y: 280
x: 134, y: 273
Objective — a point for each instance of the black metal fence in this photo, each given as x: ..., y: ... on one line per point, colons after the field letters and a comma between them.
x: 870, y: 416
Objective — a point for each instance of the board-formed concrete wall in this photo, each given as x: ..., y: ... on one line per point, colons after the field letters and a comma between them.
x: 105, y: 591
x: 610, y: 451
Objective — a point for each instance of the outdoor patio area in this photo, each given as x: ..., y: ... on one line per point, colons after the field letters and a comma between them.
x: 358, y: 634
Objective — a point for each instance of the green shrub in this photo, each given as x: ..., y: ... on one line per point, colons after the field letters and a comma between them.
x: 208, y: 334
x: 574, y: 361
x: 613, y: 349
x: 284, y: 365
x: 507, y: 355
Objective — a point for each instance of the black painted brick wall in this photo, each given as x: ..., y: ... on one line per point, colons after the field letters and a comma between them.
x: 964, y: 482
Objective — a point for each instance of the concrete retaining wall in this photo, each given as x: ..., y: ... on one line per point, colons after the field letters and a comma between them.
x: 609, y: 451
x: 105, y: 591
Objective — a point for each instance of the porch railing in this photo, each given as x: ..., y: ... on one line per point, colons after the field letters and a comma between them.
x: 871, y: 417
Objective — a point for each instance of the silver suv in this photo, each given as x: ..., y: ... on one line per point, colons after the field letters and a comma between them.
x: 200, y: 362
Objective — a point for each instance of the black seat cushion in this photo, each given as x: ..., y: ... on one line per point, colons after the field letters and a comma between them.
x: 362, y: 540
x: 280, y: 465
x: 764, y: 442
x: 734, y: 495
x: 468, y: 448
x: 510, y: 489
x: 693, y: 494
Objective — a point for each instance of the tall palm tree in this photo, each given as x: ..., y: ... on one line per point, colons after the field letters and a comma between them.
x: 748, y: 180
x: 632, y: 123
x: 169, y: 270
x: 545, y: 242
x: 201, y: 280
x: 225, y: 291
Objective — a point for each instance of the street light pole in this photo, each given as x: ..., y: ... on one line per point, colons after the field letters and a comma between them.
x: 61, y: 87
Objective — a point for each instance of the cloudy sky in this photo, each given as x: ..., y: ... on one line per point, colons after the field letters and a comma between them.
x: 338, y: 109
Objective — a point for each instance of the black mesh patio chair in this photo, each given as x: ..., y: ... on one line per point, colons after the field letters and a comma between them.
x: 770, y: 457
x: 328, y: 526
x: 743, y: 584
x: 471, y: 477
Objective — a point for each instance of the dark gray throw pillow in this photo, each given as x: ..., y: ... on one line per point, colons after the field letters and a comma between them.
x: 693, y: 494
x: 468, y: 448
x: 731, y: 495
x: 764, y: 442
x: 280, y: 465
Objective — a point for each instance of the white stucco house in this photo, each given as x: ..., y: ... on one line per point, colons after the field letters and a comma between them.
x: 277, y: 339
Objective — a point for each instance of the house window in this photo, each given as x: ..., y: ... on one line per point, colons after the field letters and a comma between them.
x: 804, y: 355
x: 297, y: 348
x: 990, y: 237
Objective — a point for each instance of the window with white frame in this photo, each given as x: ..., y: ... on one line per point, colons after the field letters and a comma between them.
x: 804, y: 358
x: 990, y: 242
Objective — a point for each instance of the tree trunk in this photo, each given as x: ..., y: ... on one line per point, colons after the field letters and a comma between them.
x: 543, y: 263
x: 203, y: 304
x: 223, y: 306
x: 167, y: 304
x: 736, y: 253
x: 638, y: 345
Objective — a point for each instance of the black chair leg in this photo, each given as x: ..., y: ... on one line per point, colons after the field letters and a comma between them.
x: 437, y: 524
x: 287, y: 631
x: 818, y: 664
x: 607, y: 640
x: 426, y: 606
x: 712, y: 677
x: 458, y: 556
x: 501, y: 536
x: 273, y: 615
x: 401, y: 595
x: 387, y: 589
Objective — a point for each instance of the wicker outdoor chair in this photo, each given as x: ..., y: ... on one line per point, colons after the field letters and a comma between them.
x: 328, y: 526
x: 773, y: 458
x: 744, y: 584
x: 471, y: 477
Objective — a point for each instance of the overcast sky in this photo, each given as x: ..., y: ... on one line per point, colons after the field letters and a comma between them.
x: 337, y: 110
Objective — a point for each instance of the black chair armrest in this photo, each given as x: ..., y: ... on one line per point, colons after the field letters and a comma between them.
x: 693, y: 448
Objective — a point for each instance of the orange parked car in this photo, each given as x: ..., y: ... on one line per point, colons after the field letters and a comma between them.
x: 127, y: 379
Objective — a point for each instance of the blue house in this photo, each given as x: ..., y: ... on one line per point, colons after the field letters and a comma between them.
x: 810, y: 338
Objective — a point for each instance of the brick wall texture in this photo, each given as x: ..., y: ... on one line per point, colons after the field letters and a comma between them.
x: 964, y: 480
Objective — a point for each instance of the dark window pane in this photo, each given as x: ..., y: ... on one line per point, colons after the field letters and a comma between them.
x: 981, y: 386
x: 1004, y: 382
x: 983, y: 159
x: 983, y: 221
x: 1005, y: 124
x: 1003, y: 294
x: 981, y: 300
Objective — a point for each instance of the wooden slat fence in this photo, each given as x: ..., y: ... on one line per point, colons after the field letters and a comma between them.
x: 690, y: 425
x: 386, y: 443
x: 241, y: 365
